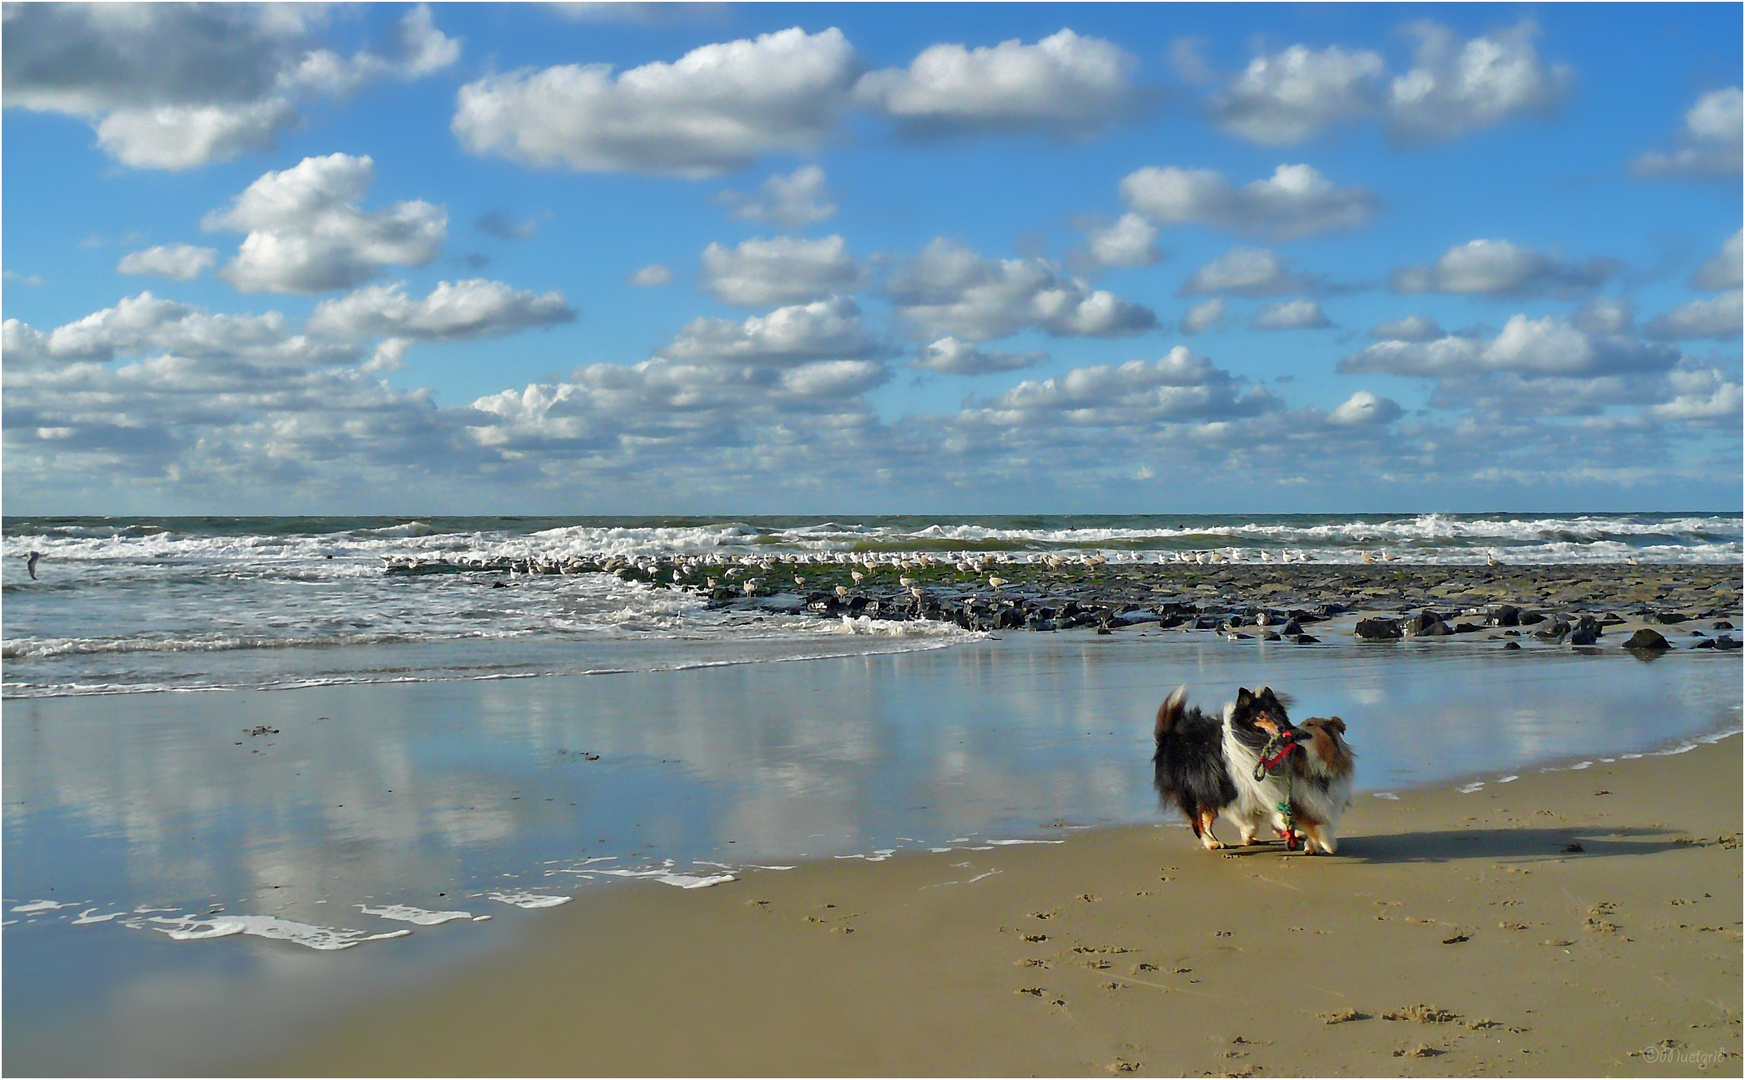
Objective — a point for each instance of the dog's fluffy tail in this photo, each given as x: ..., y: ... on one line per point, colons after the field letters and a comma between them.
x: 1170, y: 711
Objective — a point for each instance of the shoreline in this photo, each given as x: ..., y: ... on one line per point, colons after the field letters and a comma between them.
x: 1572, y: 921
x: 1000, y: 592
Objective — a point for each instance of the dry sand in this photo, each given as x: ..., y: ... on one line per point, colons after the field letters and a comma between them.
x: 1568, y: 923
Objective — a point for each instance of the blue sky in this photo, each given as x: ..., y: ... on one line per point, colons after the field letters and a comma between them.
x: 595, y: 258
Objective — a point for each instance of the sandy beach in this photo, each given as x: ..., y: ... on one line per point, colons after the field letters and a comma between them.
x: 1573, y: 921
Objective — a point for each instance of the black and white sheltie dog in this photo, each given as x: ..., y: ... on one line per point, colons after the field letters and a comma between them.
x: 1206, y: 765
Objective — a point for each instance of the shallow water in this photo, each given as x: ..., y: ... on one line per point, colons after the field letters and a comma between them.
x: 439, y: 796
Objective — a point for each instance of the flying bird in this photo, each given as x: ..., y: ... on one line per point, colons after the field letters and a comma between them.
x: 30, y: 563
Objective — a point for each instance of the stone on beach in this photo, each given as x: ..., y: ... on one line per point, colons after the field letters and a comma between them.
x: 1646, y: 640
x: 1378, y: 629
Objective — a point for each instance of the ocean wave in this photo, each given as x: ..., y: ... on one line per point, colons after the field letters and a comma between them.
x: 1431, y: 537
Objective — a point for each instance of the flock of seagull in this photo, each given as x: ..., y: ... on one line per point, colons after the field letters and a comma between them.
x: 680, y: 567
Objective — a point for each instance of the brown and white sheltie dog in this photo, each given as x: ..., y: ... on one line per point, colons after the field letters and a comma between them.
x: 1206, y: 765
x: 1323, y: 765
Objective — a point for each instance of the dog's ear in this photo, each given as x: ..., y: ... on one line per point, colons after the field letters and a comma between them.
x: 1336, y: 724
x: 1243, y: 697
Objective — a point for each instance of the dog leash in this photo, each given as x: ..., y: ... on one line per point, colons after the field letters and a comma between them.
x: 1277, y: 748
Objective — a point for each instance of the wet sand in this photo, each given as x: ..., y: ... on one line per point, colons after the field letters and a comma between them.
x: 1566, y: 923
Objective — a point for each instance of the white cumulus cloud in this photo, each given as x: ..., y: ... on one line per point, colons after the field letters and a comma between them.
x: 1716, y: 317
x: 145, y: 324
x: 1500, y: 268
x: 779, y: 270
x: 1203, y: 316
x: 792, y: 202
x: 1297, y: 93
x: 1066, y: 84
x: 181, y: 262
x: 1710, y: 143
x: 1407, y: 328
x: 1129, y: 241
x: 1364, y: 409
x: 949, y: 290
x: 1292, y: 315
x: 1247, y: 272
x: 1724, y: 270
x: 1179, y: 386
x: 1454, y: 87
x: 950, y: 356
x: 177, y: 86
x: 651, y: 275
x: 1526, y: 346
x: 454, y: 311
x: 718, y: 107
x: 306, y: 233
x: 1295, y: 202
x: 822, y: 330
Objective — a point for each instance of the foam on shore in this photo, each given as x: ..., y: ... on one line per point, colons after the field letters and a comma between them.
x: 319, y: 938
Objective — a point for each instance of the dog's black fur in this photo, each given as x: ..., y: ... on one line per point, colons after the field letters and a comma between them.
x: 1189, y: 767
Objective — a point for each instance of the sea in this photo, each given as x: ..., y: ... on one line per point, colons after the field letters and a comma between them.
x: 249, y: 776
x: 151, y: 604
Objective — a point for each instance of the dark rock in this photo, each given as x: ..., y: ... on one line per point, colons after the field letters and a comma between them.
x: 1323, y: 612
x: 1706, y: 643
x: 1421, y: 622
x: 1505, y: 615
x: 1611, y: 618
x: 1669, y: 618
x: 1584, y: 635
x: 1723, y: 624
x: 1307, y: 639
x: 1725, y: 642
x: 1270, y: 635
x: 1531, y: 618
x: 1465, y: 628
x: 1009, y: 619
x: 1555, y: 632
x: 1437, y: 629
x: 1206, y: 622
x: 1378, y: 629
x: 1589, y: 623
x: 1236, y: 620
x: 1646, y: 640
x: 1292, y: 628
x: 1511, y: 645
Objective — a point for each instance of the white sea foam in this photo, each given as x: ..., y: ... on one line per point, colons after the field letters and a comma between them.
x: 529, y: 900
x: 415, y: 915
x: 319, y: 938
x: 36, y: 907
x: 86, y: 918
x: 667, y: 877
